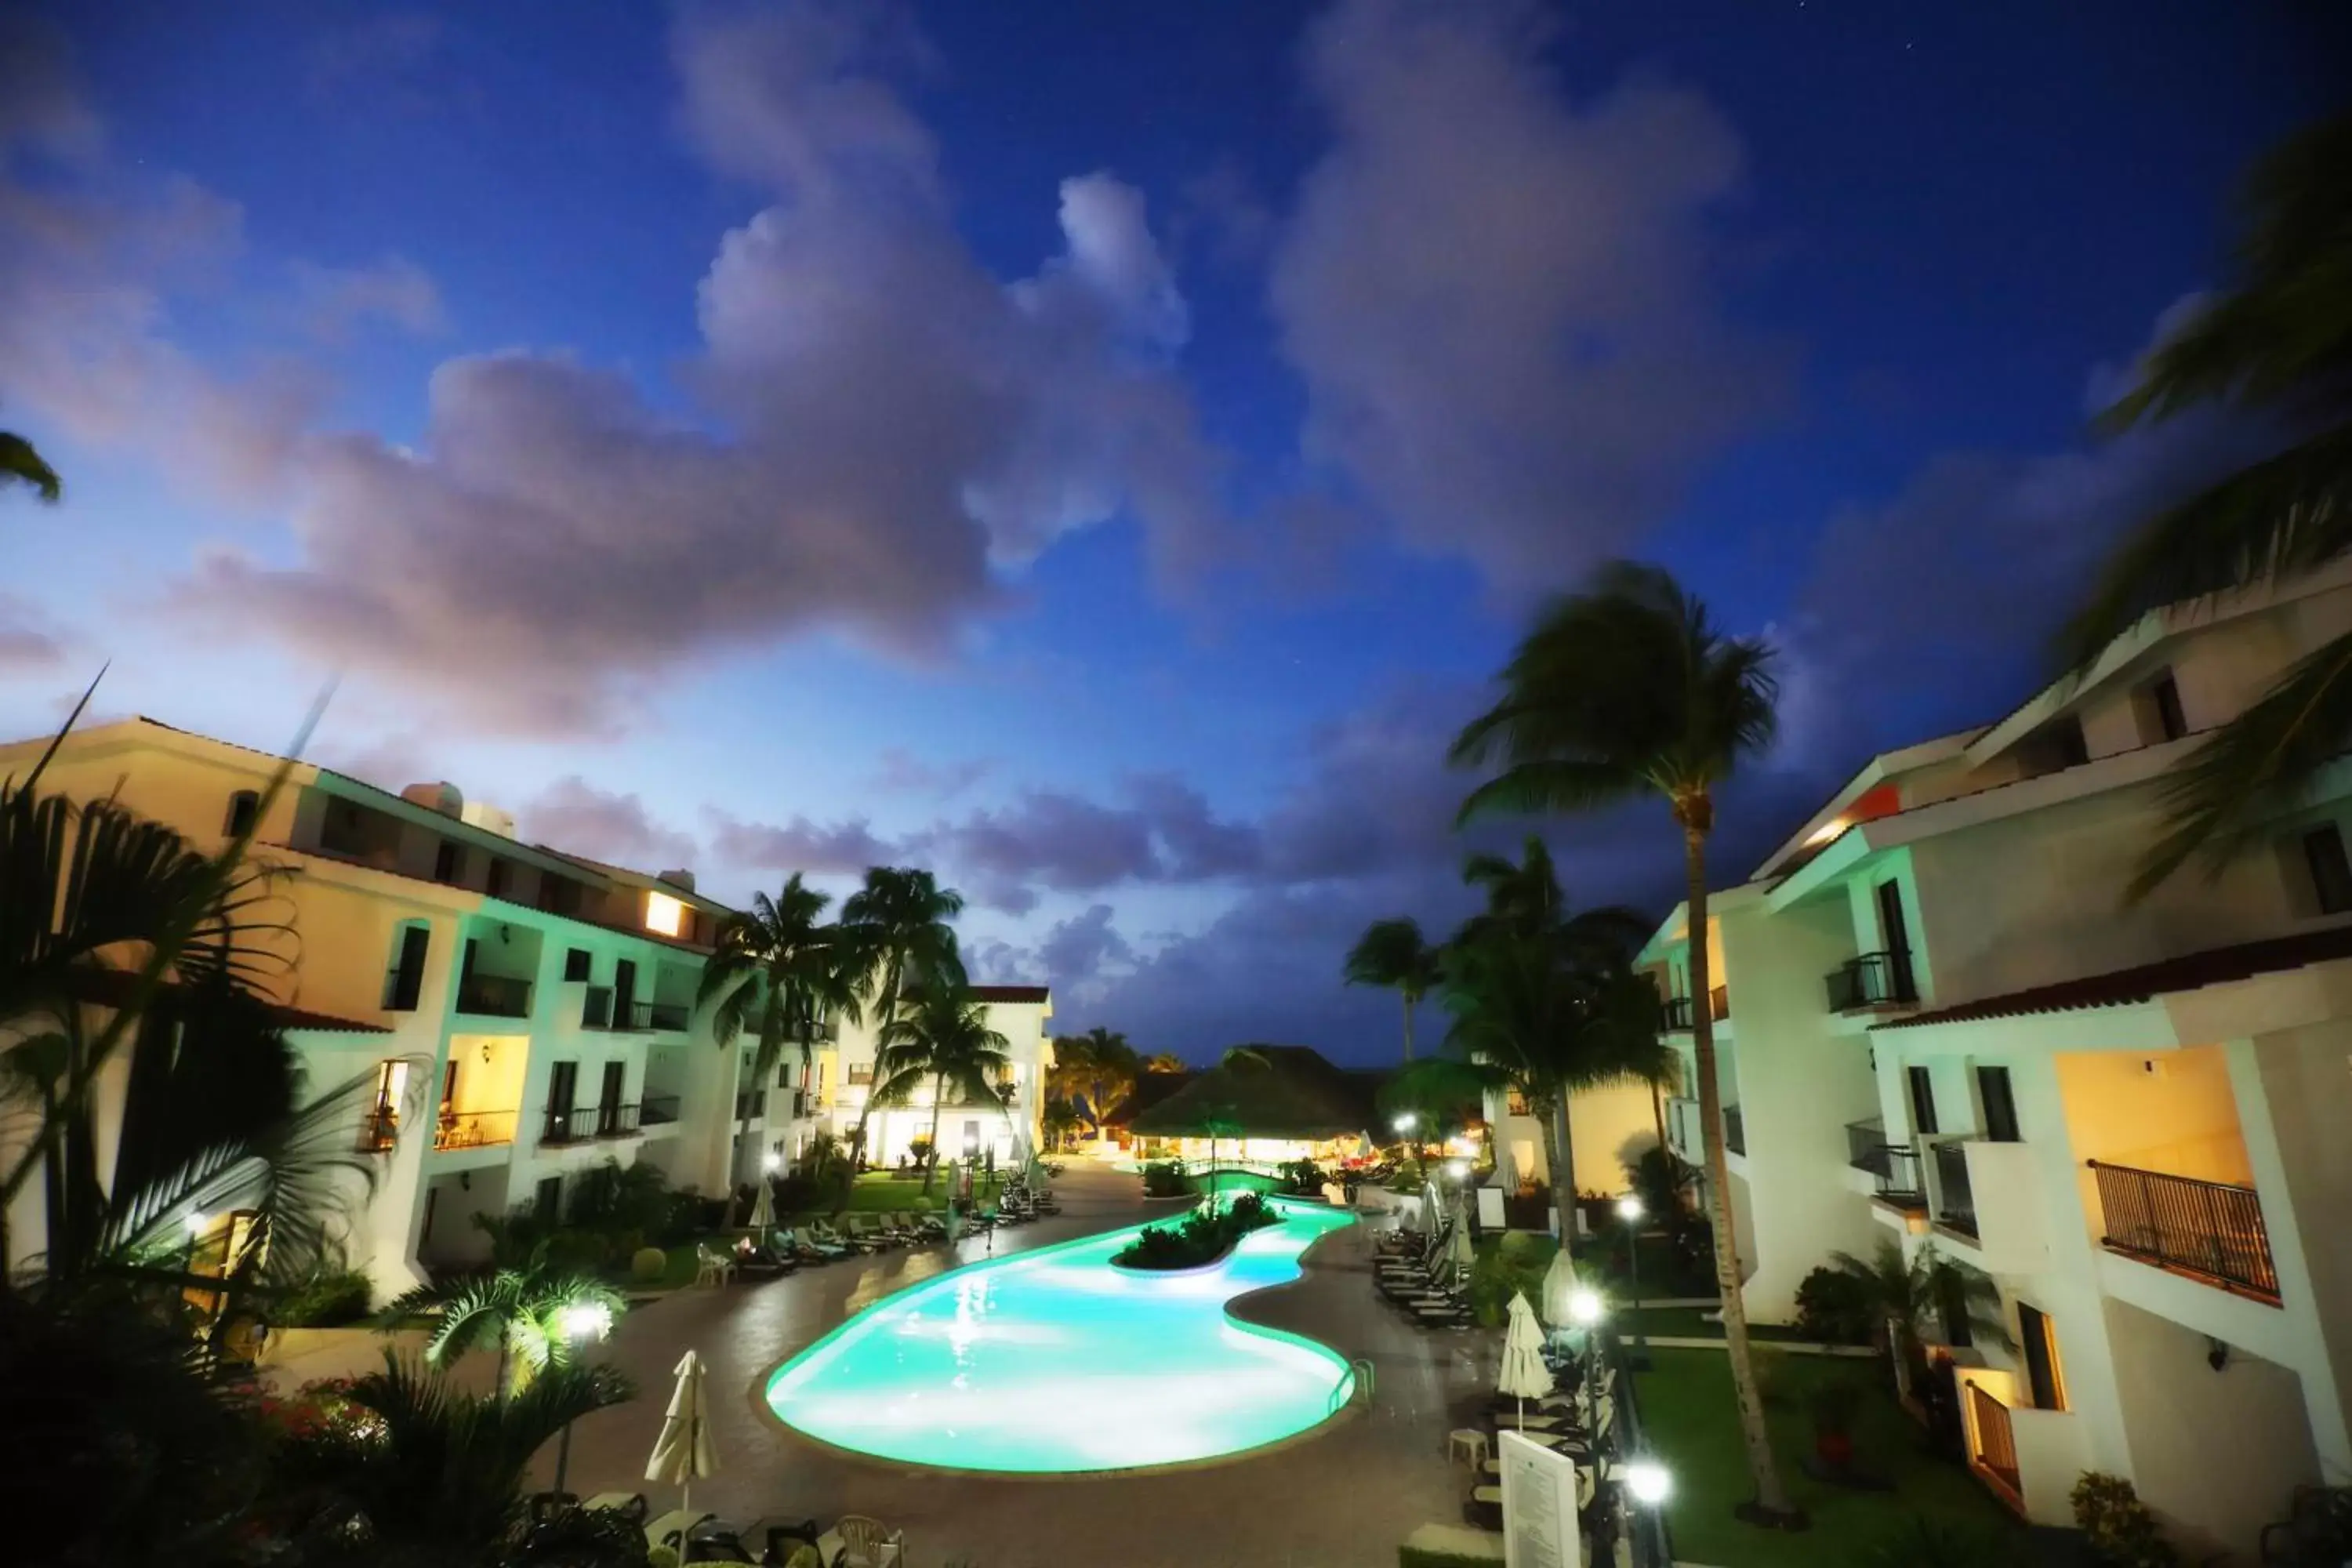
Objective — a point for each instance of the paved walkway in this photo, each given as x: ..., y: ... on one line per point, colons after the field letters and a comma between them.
x: 1342, y: 1497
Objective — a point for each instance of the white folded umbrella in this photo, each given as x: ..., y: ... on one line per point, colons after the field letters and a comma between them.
x: 685, y: 1449
x: 764, y: 1210
x: 1524, y: 1376
x: 1558, y: 1285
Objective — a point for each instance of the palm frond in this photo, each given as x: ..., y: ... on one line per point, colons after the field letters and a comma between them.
x: 1533, y: 788
x: 20, y: 463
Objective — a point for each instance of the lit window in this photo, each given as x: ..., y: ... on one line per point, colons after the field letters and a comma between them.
x: 664, y: 914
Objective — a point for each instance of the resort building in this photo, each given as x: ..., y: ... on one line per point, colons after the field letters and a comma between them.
x: 1006, y: 1130
x: 1608, y: 1128
x: 520, y: 1015
x: 1943, y: 1022
x: 1265, y: 1105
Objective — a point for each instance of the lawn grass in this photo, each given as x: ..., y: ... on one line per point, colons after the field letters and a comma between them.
x: 881, y: 1191
x: 1692, y: 1324
x: 1689, y: 1420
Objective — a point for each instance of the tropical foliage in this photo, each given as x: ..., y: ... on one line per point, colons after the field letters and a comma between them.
x: 1901, y: 1297
x: 518, y: 1312
x: 1199, y: 1239
x: 940, y: 1036
x: 1096, y: 1070
x: 2274, y: 345
x: 21, y: 465
x: 1392, y: 953
x: 898, y: 925
x: 1623, y: 690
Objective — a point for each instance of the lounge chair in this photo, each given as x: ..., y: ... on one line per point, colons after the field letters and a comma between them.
x: 857, y: 1541
x: 865, y: 1230
x: 806, y: 1242
x: 823, y: 1234
x: 711, y: 1268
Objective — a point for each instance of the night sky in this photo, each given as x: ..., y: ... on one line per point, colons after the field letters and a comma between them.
x: 1098, y: 451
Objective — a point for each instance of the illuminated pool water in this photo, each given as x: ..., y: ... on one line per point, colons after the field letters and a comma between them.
x: 1053, y: 1361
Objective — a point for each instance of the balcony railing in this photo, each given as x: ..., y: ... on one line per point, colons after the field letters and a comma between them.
x: 473, y: 1129
x: 1896, y: 1166
x: 752, y: 1103
x: 659, y: 1110
x: 616, y: 1121
x: 1676, y: 1013
x: 667, y: 1017
x: 494, y: 997
x: 1996, y: 1445
x: 1955, y: 1202
x: 2212, y: 1230
x: 1735, y: 1130
x: 574, y: 1124
x: 1872, y: 980
x: 380, y: 1130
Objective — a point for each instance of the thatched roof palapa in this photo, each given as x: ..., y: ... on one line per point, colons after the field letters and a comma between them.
x: 1275, y: 1091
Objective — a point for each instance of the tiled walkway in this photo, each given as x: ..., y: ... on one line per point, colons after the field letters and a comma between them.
x: 1343, y: 1498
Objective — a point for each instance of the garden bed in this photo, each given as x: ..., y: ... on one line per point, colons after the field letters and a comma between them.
x: 1197, y: 1241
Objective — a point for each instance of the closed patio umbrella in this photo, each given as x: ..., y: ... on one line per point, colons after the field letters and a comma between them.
x: 763, y: 1211
x: 684, y: 1450
x: 1558, y: 1284
x: 1459, y: 1251
x: 1524, y: 1376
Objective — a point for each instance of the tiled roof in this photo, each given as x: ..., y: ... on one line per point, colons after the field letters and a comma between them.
x: 111, y: 987
x: 2146, y: 982
x: 1012, y: 993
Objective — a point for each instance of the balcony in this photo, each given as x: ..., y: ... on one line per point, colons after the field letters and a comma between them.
x: 1993, y: 1453
x: 1892, y: 1167
x: 667, y: 1017
x: 659, y: 1110
x: 1735, y: 1130
x: 380, y: 1130
x: 574, y: 1124
x: 494, y: 997
x: 752, y: 1105
x: 473, y: 1129
x: 1677, y: 1010
x: 616, y: 1121
x: 1872, y: 980
x: 1955, y: 1202
x: 2211, y: 1231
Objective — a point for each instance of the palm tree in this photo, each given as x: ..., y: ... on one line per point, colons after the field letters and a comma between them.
x: 518, y: 1312
x: 429, y: 1473
x: 940, y: 1037
x: 1901, y: 1296
x: 1624, y: 690
x: 898, y: 921
x: 1164, y: 1061
x: 1526, y: 897
x: 2277, y: 344
x: 779, y: 972
x: 1109, y: 1066
x: 1391, y: 954
x: 20, y: 463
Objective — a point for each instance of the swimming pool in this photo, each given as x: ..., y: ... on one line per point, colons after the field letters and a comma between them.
x: 1053, y: 1361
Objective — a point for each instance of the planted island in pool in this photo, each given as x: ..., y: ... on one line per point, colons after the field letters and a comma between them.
x: 1053, y: 1361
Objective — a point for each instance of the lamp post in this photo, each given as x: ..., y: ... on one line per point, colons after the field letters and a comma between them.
x: 579, y: 1323
x: 1646, y: 1485
x: 1585, y: 1311
x: 1629, y: 1210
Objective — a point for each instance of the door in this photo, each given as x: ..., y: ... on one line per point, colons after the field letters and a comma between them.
x: 408, y: 969
x: 2040, y: 1358
x: 562, y: 1089
x: 624, y: 995
x: 547, y: 1200
x: 608, y: 1101
x: 1923, y: 1101
x: 383, y: 1116
x: 1896, y: 937
x: 2000, y: 1104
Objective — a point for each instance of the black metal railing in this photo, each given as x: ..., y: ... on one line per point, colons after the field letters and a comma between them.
x: 1675, y: 1013
x: 1646, y: 1529
x: 569, y: 1124
x: 473, y: 1129
x: 1872, y: 980
x: 616, y: 1121
x: 380, y: 1130
x: 667, y: 1016
x: 2211, y: 1229
x: 494, y: 997
x: 1866, y: 1146
x: 1956, y: 1201
x: 1735, y: 1130
x: 596, y: 1008
x: 1903, y: 1183
x: 401, y: 989
x: 751, y: 1102
x: 659, y: 1110
x: 1996, y: 1445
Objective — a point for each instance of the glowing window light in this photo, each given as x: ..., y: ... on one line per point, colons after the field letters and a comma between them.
x: 664, y: 916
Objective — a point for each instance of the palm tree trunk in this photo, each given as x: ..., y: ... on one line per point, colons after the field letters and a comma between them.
x: 932, y: 1158
x: 1658, y: 1111
x: 1409, y: 1000
x: 1771, y: 1499
x: 1557, y: 1157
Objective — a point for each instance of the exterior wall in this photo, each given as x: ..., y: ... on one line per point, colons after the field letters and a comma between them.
x: 1010, y: 1132
x: 1609, y: 1128
x: 2305, y: 1098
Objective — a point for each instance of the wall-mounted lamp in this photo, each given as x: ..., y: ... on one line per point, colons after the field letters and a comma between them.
x: 486, y: 1053
x: 2216, y: 1353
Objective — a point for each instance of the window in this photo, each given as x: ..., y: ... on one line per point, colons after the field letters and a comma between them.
x: 2040, y: 1358
x: 406, y: 980
x: 2057, y: 744
x: 2161, y: 718
x: 2331, y: 874
x: 448, y: 862
x: 547, y: 1200
x: 1952, y: 1305
x: 1993, y: 1093
x: 244, y: 809
x: 575, y: 964
x: 1923, y: 1101
x: 1893, y: 933
x: 502, y: 872
x: 1515, y: 1103
x: 664, y: 914
x: 558, y: 895
x: 861, y: 1072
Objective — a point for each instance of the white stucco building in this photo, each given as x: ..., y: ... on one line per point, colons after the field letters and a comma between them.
x: 1948, y: 1028
x: 1009, y: 1131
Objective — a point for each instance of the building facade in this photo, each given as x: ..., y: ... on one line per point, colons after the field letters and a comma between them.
x: 1950, y: 1027
x: 1006, y: 1132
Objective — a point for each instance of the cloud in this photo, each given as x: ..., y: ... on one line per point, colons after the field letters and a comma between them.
x: 900, y: 428
x: 841, y: 849
x: 395, y: 56
x: 902, y: 773
x: 575, y: 817
x: 1498, y: 298
x: 29, y: 639
x: 333, y: 301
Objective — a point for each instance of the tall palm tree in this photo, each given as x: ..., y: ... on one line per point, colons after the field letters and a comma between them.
x: 2278, y: 345
x: 1526, y: 898
x: 1901, y: 1296
x: 1108, y: 1068
x: 899, y: 920
x: 779, y: 971
x: 20, y: 463
x: 941, y: 1036
x: 1624, y: 689
x: 518, y: 1312
x: 1392, y: 953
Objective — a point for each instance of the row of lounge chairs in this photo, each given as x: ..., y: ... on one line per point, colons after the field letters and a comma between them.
x: 784, y: 1249
x: 1415, y: 1280
x: 1579, y: 1421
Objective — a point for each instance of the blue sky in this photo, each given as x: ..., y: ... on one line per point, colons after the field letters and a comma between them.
x: 1097, y: 451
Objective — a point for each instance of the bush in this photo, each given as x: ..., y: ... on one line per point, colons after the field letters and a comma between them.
x: 1835, y: 1307
x: 1198, y: 1238
x: 1514, y: 1265
x: 1302, y: 1177
x: 611, y: 1198
x: 1941, y: 1544
x: 328, y: 1300
x: 648, y: 1264
x: 919, y: 1204
x: 1165, y: 1179
x: 2116, y: 1526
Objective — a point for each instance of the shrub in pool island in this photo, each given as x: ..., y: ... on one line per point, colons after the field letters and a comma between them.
x: 1164, y: 1179
x: 1199, y: 1239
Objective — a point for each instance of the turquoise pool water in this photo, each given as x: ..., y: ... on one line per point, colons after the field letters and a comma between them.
x: 1053, y: 1361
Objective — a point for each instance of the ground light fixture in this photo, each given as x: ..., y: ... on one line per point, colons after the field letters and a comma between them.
x: 198, y: 1223
x: 1629, y: 1211
x: 771, y: 1162
x: 1629, y: 1208
x: 579, y: 1322
x: 1407, y: 1122
x: 1585, y: 1311
x: 1647, y: 1482
x: 1458, y: 1169
x: 1584, y: 1308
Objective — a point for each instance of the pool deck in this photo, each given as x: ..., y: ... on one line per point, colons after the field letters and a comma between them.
x: 1342, y: 1497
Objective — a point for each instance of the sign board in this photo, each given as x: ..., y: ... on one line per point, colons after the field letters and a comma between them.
x: 1539, y: 1523
x: 1490, y: 1208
